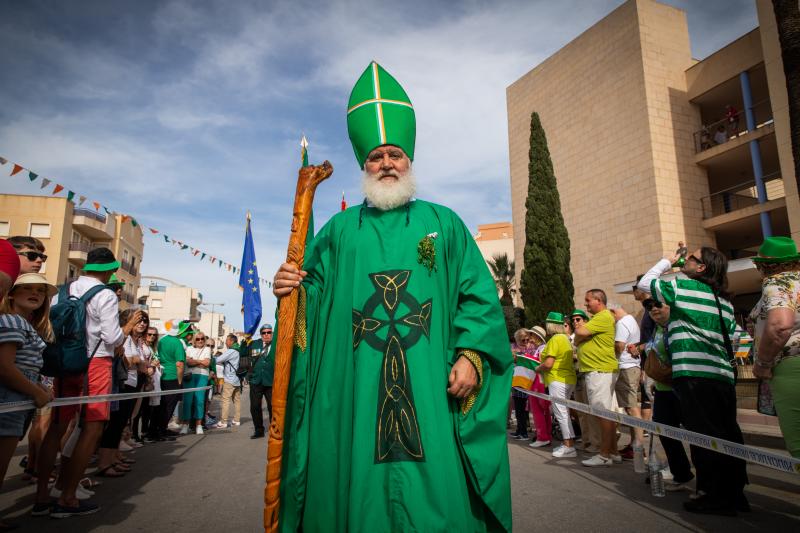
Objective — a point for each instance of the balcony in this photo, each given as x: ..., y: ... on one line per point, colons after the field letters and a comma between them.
x: 94, y: 225
x: 741, y: 196
x: 78, y: 251
x: 716, y: 135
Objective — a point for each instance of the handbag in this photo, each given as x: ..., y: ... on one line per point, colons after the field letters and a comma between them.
x: 655, y: 368
x: 120, y: 372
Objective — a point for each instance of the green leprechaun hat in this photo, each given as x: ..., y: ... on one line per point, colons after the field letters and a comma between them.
x: 554, y: 317
x: 777, y: 250
x: 379, y: 112
x: 115, y: 281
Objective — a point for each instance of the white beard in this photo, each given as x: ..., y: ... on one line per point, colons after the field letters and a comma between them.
x: 387, y: 195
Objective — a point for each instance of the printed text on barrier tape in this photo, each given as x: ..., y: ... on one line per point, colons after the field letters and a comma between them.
x: 77, y: 400
x: 748, y: 453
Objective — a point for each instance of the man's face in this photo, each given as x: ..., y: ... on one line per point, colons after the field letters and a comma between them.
x: 387, y: 163
x: 30, y: 260
x: 694, y: 264
x: 228, y: 342
x: 640, y: 295
x: 592, y: 304
x: 266, y: 336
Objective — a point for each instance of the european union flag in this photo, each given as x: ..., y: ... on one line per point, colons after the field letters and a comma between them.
x: 248, y: 282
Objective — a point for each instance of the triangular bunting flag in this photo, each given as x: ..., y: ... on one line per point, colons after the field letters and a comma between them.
x: 203, y: 256
x: 16, y: 169
x: 133, y: 222
x: 32, y: 176
x: 3, y: 160
x: 58, y: 188
x: 106, y: 210
x: 185, y: 246
x: 81, y: 199
x: 125, y: 218
x: 220, y: 264
x: 96, y: 206
x: 70, y: 196
x: 153, y: 231
x: 166, y: 239
x: 196, y: 251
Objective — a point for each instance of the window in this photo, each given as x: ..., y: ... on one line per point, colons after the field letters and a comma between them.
x: 72, y: 272
x: 155, y: 304
x: 125, y: 255
x: 40, y: 230
x: 5, y: 228
x: 76, y: 237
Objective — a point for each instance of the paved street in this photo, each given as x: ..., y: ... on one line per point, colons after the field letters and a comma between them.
x: 216, y: 481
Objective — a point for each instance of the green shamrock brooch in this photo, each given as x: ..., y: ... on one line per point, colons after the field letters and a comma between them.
x: 426, y: 252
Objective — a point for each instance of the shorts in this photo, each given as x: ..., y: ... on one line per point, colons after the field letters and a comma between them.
x: 627, y: 387
x: 13, y: 424
x: 600, y: 389
x: 99, y: 383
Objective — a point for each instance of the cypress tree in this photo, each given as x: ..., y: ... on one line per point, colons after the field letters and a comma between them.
x: 546, y: 280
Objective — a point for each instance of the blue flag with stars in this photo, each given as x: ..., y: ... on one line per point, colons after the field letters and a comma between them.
x: 248, y: 282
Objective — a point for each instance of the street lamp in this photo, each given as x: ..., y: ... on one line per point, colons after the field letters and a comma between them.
x: 212, y: 304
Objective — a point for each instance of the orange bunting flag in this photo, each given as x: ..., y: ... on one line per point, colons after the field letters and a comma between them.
x: 96, y: 206
x: 16, y: 169
x: 58, y: 188
x: 153, y: 231
x: 125, y: 218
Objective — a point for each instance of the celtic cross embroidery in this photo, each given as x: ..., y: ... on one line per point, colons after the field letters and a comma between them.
x: 397, y: 434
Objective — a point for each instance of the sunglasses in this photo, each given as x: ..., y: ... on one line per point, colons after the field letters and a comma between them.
x: 577, y: 319
x: 649, y: 304
x: 695, y: 259
x: 266, y: 333
x: 151, y: 334
x: 33, y: 256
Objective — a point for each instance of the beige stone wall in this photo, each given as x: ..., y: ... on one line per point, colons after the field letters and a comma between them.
x: 619, y: 129
x: 22, y: 210
x: 776, y: 80
x: 742, y: 54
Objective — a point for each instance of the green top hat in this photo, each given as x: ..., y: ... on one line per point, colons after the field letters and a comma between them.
x: 777, y: 250
x: 581, y: 313
x: 184, y: 328
x: 379, y: 112
x: 115, y: 281
x: 554, y: 317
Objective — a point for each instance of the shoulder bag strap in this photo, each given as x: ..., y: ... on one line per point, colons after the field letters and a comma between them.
x: 725, y: 336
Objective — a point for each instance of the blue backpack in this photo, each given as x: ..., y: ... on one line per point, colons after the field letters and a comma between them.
x: 66, y: 355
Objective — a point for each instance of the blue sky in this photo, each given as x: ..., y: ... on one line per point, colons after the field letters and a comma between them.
x: 185, y: 114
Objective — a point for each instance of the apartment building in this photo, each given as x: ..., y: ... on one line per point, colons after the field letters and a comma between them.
x: 69, y: 232
x: 651, y: 146
x: 168, y: 303
x: 497, y: 238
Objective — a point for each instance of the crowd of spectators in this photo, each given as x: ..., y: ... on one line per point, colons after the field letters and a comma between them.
x: 119, y: 353
x: 691, y: 338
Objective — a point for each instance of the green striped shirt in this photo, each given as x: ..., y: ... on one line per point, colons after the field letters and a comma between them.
x: 696, y: 344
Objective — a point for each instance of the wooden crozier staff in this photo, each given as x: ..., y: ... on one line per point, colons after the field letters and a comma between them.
x: 307, y: 181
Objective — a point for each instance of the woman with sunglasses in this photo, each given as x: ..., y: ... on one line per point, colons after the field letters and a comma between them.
x: 589, y: 425
x: 198, y: 359
x: 140, y: 424
x: 24, y: 328
x: 110, y: 462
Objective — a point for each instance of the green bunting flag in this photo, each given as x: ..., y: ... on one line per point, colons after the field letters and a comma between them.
x: 32, y: 176
x: 70, y: 196
x: 133, y: 222
x: 203, y: 256
x: 166, y: 239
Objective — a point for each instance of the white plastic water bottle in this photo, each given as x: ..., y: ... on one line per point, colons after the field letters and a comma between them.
x: 638, y: 459
x: 656, y: 477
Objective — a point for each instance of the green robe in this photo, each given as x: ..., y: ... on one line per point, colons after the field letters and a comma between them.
x: 373, y: 442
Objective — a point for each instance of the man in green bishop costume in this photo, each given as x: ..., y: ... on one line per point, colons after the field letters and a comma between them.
x: 397, y: 400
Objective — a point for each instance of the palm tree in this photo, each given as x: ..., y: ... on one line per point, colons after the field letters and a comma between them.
x: 503, y: 274
x: 787, y: 19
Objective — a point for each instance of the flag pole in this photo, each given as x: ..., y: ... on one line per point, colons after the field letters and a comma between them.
x: 309, y: 177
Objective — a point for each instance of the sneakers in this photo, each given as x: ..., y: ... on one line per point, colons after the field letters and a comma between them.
x: 40, y: 509
x: 124, y: 446
x: 80, y: 493
x: 221, y: 425
x: 184, y: 429
x: 565, y: 451
x: 198, y: 430
x: 597, y: 460
x: 235, y: 423
x: 617, y: 459
x: 539, y: 443
x: 674, y: 486
x: 63, y: 511
x: 173, y: 426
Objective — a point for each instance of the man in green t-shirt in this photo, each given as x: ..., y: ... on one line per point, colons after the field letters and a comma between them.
x: 172, y: 355
x: 598, y: 362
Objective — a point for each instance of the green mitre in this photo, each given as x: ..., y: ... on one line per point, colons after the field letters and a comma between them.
x: 379, y: 112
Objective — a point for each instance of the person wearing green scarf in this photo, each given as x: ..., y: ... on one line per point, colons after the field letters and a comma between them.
x: 396, y: 409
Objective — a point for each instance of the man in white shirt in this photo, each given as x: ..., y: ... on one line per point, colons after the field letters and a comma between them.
x: 626, y: 333
x: 104, y: 339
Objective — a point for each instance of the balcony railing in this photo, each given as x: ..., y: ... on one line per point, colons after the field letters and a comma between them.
x: 741, y: 196
x: 128, y: 298
x: 80, y: 246
x: 128, y: 267
x: 88, y: 213
x: 730, y: 127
